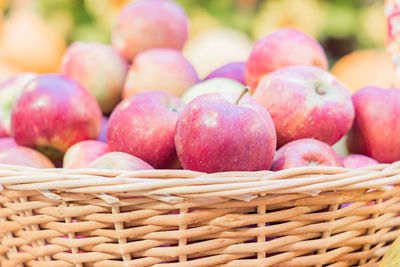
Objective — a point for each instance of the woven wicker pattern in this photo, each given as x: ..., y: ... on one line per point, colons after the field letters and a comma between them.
x: 314, y: 216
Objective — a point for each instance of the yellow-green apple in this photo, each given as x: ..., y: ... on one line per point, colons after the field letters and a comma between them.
x: 149, y: 24
x: 376, y: 127
x: 99, y: 68
x: 160, y: 69
x: 119, y: 161
x: 144, y: 126
x: 285, y: 47
x: 25, y: 156
x: 223, y: 132
x: 306, y: 102
x: 214, y: 85
x: 82, y: 153
x: 53, y: 113
x: 6, y: 143
x: 235, y: 71
x: 305, y: 152
x: 103, y: 130
x: 355, y: 161
x: 9, y: 92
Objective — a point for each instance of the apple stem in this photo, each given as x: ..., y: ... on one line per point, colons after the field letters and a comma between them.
x: 245, y: 90
x: 320, y: 91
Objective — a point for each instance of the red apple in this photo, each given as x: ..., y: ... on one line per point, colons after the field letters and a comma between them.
x: 6, y: 143
x: 235, y: 71
x: 99, y: 68
x: 25, y: 156
x: 82, y: 153
x: 356, y: 161
x: 144, y: 126
x: 53, y: 113
x: 103, y: 130
x: 305, y: 152
x: 306, y: 102
x: 377, y: 124
x: 160, y: 69
x: 149, y: 24
x: 9, y: 92
x: 119, y: 161
x: 216, y: 134
x: 285, y: 47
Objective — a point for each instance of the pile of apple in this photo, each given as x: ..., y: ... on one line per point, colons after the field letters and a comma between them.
x: 139, y: 104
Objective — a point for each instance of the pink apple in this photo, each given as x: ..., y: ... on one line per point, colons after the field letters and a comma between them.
x: 119, y: 161
x: 356, y: 161
x: 235, y: 71
x: 306, y: 102
x: 305, y: 152
x: 160, y: 69
x: 53, y: 113
x: 9, y: 92
x: 149, y: 24
x: 377, y: 124
x: 25, y: 156
x: 6, y: 143
x: 214, y: 134
x: 103, y: 130
x: 82, y: 153
x: 144, y: 126
x: 99, y: 68
x: 285, y: 47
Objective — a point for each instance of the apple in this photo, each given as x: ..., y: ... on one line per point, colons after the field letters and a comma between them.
x: 9, y: 92
x: 214, y: 85
x: 25, y: 156
x: 6, y: 143
x: 144, y: 126
x: 99, y: 68
x: 305, y: 152
x: 119, y: 161
x: 160, y: 69
x: 82, y: 153
x: 356, y: 161
x: 377, y: 124
x: 285, y: 47
x: 223, y: 132
x: 149, y: 24
x: 235, y: 71
x: 306, y: 102
x: 103, y: 130
x: 53, y: 113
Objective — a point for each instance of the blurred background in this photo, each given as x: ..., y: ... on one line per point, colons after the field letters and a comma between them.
x: 35, y: 33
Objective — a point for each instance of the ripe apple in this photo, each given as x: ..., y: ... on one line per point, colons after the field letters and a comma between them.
x: 306, y: 102
x: 160, y: 69
x: 82, y: 153
x: 376, y: 127
x: 305, y: 152
x: 103, y: 130
x: 119, y: 161
x: 99, y: 68
x: 6, y: 143
x: 356, y: 161
x: 149, y: 24
x: 235, y: 71
x: 214, y: 85
x: 218, y: 132
x: 9, y: 92
x: 144, y: 126
x: 53, y: 113
x: 25, y: 156
x: 285, y: 47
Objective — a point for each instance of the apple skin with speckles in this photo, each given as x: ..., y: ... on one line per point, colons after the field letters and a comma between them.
x: 53, y: 113
x: 214, y: 134
x: 306, y: 102
x: 144, y: 126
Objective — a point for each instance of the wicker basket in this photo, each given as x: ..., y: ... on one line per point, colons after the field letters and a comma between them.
x: 314, y: 216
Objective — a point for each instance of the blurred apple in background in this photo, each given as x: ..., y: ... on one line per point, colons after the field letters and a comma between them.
x: 215, y: 85
x: 6, y: 143
x: 355, y: 161
x: 82, y: 153
x: 119, y: 161
x: 160, y: 69
x: 103, y: 130
x: 25, y: 156
x: 235, y: 71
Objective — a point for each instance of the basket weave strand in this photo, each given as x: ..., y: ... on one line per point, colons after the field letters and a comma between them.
x: 310, y: 216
